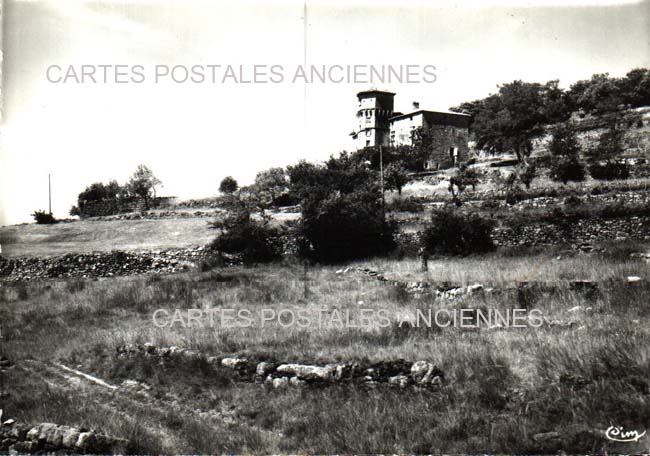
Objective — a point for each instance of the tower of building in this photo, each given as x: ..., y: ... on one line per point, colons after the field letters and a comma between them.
x: 374, y: 111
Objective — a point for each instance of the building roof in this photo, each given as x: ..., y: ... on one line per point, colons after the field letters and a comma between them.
x: 425, y: 112
x: 374, y: 91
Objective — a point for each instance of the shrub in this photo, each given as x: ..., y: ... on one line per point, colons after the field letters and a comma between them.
x: 452, y: 233
x: 513, y: 195
x: 409, y: 204
x: 609, y: 171
x: 565, y: 169
x: 43, y: 218
x: 572, y: 200
x: 343, y: 227
x: 250, y: 240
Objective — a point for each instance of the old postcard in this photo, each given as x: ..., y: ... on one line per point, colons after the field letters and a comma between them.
x: 325, y: 227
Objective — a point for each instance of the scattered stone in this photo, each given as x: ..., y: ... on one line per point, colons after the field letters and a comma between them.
x: 234, y: 363
x: 293, y: 374
x: 424, y: 373
x: 70, y: 437
x: 633, y: 279
x: 400, y: 380
x: 295, y: 381
x: 277, y: 383
x: 583, y: 285
x: 306, y: 372
x: 546, y: 436
x: 263, y: 369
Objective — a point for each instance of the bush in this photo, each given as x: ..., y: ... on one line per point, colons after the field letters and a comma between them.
x: 514, y: 195
x: 43, y: 218
x: 409, y: 204
x: 250, y: 240
x: 572, y: 200
x: 565, y: 169
x: 609, y: 171
x: 343, y: 227
x: 452, y: 233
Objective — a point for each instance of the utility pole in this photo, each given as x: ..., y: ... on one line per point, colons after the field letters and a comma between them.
x: 381, y: 176
x: 49, y: 192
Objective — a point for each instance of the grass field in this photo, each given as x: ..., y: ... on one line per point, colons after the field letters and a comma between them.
x: 103, y: 235
x: 506, y: 390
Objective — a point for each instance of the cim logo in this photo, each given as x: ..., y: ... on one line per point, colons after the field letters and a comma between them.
x: 617, y: 434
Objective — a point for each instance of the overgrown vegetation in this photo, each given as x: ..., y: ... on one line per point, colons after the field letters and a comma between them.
x: 569, y: 377
x: 519, y: 112
x: 140, y: 186
x: 456, y: 233
x: 43, y: 218
x: 250, y: 240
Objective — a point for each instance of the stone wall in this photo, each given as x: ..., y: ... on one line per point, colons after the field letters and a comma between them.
x: 578, y: 234
x: 122, y: 206
x: 100, y: 264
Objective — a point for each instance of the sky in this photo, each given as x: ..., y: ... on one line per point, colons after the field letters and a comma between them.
x: 194, y: 134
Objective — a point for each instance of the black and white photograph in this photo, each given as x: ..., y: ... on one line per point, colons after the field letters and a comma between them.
x: 324, y: 227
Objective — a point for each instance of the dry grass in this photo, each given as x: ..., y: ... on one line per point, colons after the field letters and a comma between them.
x: 504, y: 385
x: 101, y: 236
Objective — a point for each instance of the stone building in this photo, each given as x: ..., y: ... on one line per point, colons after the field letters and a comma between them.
x: 447, y: 133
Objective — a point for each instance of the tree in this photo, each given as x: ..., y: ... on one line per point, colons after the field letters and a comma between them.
x: 342, y: 215
x: 271, y: 183
x: 609, y: 149
x: 509, y: 120
x: 142, y: 184
x: 564, y: 141
x: 395, y: 177
x: 344, y: 226
x: 566, y: 168
x: 564, y: 147
x: 527, y: 173
x: 598, y: 95
x: 635, y: 87
x: 345, y: 174
x: 228, y: 185
x: 464, y: 177
x: 98, y: 191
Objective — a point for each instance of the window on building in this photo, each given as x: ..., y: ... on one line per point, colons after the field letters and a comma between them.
x: 368, y: 133
x: 367, y: 142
